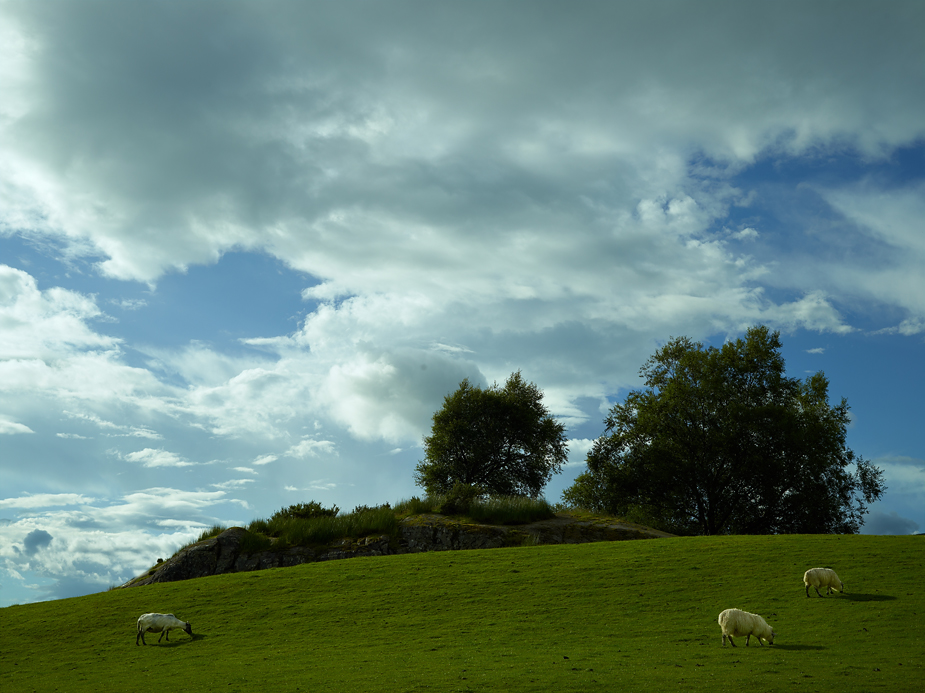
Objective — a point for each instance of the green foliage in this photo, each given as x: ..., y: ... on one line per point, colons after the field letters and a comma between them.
x: 259, y: 526
x: 460, y: 498
x: 633, y: 616
x: 500, y: 439
x: 252, y: 542
x: 721, y: 441
x: 312, y: 527
x: 305, y: 511
x: 417, y: 506
x: 510, y: 510
x: 212, y: 531
x: 365, y: 508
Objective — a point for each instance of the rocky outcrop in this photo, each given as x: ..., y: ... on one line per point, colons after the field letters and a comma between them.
x: 419, y: 533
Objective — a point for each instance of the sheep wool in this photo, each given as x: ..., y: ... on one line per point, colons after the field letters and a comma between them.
x: 736, y: 623
x: 822, y: 577
x: 160, y: 623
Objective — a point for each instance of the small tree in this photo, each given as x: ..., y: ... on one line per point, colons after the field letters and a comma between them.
x: 721, y: 441
x: 500, y: 439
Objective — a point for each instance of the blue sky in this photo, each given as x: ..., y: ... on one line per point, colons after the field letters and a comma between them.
x: 247, y: 248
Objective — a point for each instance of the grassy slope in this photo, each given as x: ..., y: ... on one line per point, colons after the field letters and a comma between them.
x: 608, y: 616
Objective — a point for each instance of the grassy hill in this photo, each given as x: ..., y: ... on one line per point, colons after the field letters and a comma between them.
x: 633, y: 615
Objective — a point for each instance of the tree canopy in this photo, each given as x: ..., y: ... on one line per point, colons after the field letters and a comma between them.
x: 721, y: 441
x: 500, y: 439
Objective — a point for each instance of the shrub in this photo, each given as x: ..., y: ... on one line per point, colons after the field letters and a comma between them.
x: 510, y: 510
x: 417, y: 506
x: 213, y: 531
x: 460, y: 498
x: 254, y: 543
x: 365, y: 508
x: 305, y: 511
x: 259, y: 527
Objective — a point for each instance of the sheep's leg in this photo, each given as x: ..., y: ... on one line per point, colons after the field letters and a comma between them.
x: 163, y: 633
x: 817, y: 590
x: 807, y: 590
x: 747, y: 638
x: 141, y: 634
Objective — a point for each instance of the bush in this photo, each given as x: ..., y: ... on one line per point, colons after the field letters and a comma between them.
x: 213, y: 531
x: 365, y: 508
x: 254, y: 543
x: 259, y: 527
x: 417, y: 506
x: 293, y: 530
x: 460, y: 498
x: 305, y: 511
x: 510, y: 510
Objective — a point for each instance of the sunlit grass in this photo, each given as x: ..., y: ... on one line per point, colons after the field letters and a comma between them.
x: 632, y: 615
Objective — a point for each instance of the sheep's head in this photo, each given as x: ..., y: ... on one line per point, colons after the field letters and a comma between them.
x: 188, y: 629
x: 771, y: 639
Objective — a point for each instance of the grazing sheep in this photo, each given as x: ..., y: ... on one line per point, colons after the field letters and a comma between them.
x: 735, y: 622
x: 160, y: 623
x: 822, y: 577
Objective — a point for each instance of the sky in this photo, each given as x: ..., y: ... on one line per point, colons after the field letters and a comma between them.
x: 247, y: 248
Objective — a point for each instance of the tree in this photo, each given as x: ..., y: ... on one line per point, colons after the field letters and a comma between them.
x: 500, y: 439
x: 720, y: 441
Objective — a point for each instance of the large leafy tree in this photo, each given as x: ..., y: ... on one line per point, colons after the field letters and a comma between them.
x: 500, y: 439
x: 721, y: 441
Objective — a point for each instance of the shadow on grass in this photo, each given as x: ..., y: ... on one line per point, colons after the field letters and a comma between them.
x: 798, y: 648
x: 180, y: 643
x: 868, y: 597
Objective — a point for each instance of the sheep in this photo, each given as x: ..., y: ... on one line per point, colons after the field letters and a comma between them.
x: 160, y: 623
x: 735, y: 622
x: 822, y: 577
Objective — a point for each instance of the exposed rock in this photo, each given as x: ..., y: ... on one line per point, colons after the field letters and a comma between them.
x: 418, y: 533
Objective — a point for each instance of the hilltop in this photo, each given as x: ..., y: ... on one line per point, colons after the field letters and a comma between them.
x: 602, y: 616
x: 229, y: 551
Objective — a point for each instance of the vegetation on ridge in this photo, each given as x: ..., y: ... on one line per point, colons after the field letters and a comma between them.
x: 308, y: 524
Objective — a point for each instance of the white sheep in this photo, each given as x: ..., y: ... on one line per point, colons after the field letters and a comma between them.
x: 160, y: 623
x: 822, y: 577
x: 736, y: 622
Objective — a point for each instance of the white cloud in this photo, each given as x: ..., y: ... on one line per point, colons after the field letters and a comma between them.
x: 45, y: 500
x: 232, y: 483
x: 578, y: 449
x: 308, y: 447
x: 45, y: 324
x: 746, y: 234
x: 98, y: 544
x: 463, y: 211
x: 8, y: 427
x: 150, y: 457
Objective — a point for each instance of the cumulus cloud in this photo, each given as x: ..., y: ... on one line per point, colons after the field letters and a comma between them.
x: 65, y: 551
x: 149, y: 457
x: 309, y: 447
x: 556, y: 202
x: 36, y: 540
x: 45, y: 324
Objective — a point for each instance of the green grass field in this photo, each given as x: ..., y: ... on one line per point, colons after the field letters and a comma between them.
x: 633, y: 615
